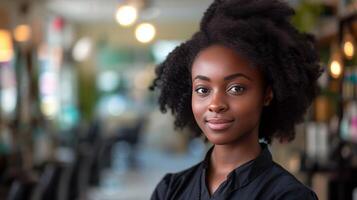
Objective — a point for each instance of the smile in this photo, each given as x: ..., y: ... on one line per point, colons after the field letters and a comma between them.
x: 219, y: 124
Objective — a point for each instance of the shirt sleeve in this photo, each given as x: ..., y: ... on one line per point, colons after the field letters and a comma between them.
x: 162, y: 188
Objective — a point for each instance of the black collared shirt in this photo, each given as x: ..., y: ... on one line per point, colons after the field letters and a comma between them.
x: 260, y: 178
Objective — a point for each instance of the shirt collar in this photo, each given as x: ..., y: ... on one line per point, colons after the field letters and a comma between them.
x: 247, y: 172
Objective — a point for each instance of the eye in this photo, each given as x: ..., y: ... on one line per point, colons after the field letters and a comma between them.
x: 236, y: 89
x: 202, y: 91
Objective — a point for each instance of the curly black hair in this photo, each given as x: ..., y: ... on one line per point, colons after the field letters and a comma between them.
x: 259, y: 30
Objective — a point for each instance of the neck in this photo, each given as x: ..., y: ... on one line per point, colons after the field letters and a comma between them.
x: 227, y: 157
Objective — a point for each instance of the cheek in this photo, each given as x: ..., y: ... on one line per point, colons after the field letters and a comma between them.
x: 248, y: 110
x: 198, y: 108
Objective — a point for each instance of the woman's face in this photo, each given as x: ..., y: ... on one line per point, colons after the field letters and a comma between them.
x: 227, y: 95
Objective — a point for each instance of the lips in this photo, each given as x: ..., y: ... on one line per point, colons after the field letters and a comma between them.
x: 219, y: 124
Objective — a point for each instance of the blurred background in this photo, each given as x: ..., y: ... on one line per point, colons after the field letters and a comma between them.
x: 77, y: 120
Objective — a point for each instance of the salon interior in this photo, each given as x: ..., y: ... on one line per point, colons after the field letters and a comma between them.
x: 77, y: 120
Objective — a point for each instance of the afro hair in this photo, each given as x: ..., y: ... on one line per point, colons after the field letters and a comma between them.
x: 261, y: 31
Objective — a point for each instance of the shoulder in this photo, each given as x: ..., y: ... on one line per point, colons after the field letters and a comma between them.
x: 171, y: 181
x: 287, y: 187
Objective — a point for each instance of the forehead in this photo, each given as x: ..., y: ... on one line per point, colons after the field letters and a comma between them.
x: 218, y: 60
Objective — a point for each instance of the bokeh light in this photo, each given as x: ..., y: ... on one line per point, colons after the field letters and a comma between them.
x: 145, y: 32
x: 126, y: 15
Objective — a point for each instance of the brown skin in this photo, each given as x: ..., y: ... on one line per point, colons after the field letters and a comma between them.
x: 228, y: 96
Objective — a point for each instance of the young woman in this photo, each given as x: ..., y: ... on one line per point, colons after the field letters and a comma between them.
x: 247, y: 75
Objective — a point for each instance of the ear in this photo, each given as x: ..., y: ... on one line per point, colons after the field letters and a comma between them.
x: 268, y: 96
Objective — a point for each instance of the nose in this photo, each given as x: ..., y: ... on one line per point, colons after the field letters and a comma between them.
x: 217, y: 104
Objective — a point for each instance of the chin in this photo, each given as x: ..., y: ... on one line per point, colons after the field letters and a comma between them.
x: 220, y: 138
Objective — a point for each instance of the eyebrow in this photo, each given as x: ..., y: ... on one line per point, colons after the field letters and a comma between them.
x: 227, y: 78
